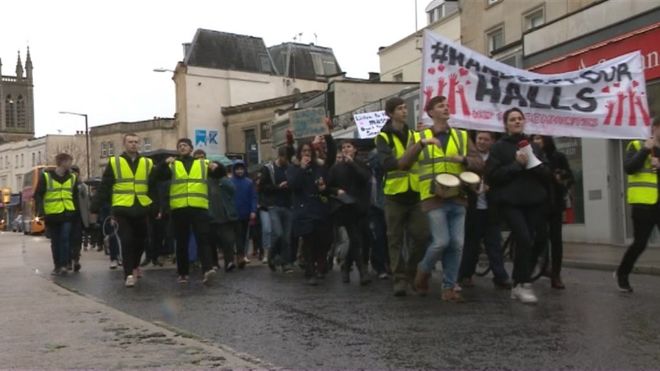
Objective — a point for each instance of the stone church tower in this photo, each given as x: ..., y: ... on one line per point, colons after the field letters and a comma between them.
x: 17, y: 102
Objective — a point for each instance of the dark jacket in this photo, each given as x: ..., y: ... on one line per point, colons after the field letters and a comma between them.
x: 270, y: 194
x: 510, y: 183
x: 40, y: 193
x: 389, y: 162
x: 310, y: 206
x: 104, y: 191
x: 558, y: 164
x: 355, y: 179
x: 246, y: 195
x: 222, y: 204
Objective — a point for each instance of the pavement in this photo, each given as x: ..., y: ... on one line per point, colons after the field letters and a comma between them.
x: 45, y: 325
x: 256, y: 319
x: 608, y: 257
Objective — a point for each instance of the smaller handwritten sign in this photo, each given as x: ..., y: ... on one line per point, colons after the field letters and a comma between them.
x: 369, y: 123
x: 308, y: 122
x: 278, y: 132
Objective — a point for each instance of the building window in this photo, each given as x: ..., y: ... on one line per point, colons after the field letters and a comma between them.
x: 16, y: 162
x: 146, y: 144
x: 514, y: 60
x: 39, y: 158
x: 10, y: 107
x: 318, y: 64
x: 8, y: 165
x: 20, y: 112
x: 398, y: 77
x: 495, y: 39
x: 533, y: 19
x: 111, y: 149
x: 441, y: 11
x: 104, y: 150
x: 265, y: 132
x: 34, y: 159
x: 22, y: 160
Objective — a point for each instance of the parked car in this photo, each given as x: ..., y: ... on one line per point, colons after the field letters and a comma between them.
x: 17, y: 224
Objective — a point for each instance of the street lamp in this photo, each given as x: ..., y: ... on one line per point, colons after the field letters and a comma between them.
x: 86, y: 137
x: 163, y: 70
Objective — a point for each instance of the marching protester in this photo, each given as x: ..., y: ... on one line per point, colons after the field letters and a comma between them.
x: 311, y: 212
x: 276, y: 199
x: 551, y: 230
x: 81, y: 223
x: 126, y: 184
x: 482, y: 224
x: 379, y: 258
x: 246, y: 207
x: 442, y: 150
x: 352, y: 179
x: 517, y: 178
x: 224, y: 218
x: 56, y: 197
x: 189, y: 204
x: 403, y: 210
x: 642, y: 163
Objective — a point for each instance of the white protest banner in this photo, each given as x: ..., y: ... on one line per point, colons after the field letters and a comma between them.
x: 308, y: 122
x: 607, y: 100
x: 369, y: 123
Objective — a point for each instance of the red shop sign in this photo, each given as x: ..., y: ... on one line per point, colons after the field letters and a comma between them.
x: 647, y: 40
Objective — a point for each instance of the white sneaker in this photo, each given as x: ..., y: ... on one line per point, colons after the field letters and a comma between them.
x: 113, y: 264
x: 208, y: 276
x: 130, y: 281
x: 524, y: 293
x: 264, y: 260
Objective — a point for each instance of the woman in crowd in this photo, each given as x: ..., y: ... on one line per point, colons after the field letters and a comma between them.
x: 351, y: 177
x: 551, y: 230
x: 311, y: 212
x: 518, y: 179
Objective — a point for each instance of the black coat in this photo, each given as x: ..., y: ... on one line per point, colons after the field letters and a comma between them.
x: 354, y: 178
x: 510, y: 183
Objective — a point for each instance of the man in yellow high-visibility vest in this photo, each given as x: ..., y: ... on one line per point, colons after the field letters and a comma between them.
x: 189, y: 204
x: 56, y: 197
x: 641, y: 164
x: 403, y: 213
x: 127, y: 184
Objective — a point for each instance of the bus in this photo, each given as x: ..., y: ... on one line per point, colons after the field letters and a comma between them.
x: 32, y: 223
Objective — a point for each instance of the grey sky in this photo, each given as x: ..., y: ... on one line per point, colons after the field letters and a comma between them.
x: 96, y: 57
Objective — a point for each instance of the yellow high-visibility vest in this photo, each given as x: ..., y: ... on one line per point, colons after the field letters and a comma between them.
x: 59, y: 196
x: 129, y: 186
x: 433, y: 160
x: 400, y: 181
x: 642, y: 185
x: 189, y: 189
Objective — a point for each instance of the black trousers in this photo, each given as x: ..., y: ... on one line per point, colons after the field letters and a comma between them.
x: 315, y: 246
x: 76, y: 238
x: 133, y: 236
x: 356, y: 225
x: 479, y: 227
x: 550, y: 231
x: 241, y: 232
x: 223, y: 236
x: 185, y: 221
x: 523, y: 222
x: 644, y: 220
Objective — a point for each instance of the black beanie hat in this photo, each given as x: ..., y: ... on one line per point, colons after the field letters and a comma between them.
x: 185, y: 140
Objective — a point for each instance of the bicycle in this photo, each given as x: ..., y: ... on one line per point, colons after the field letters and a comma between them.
x: 508, y: 250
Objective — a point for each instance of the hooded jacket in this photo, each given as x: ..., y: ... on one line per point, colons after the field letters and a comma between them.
x: 246, y: 195
x: 222, y: 203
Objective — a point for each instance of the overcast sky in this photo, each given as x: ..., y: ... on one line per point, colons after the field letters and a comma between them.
x: 97, y: 57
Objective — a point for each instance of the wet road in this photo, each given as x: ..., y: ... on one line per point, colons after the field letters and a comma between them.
x: 277, y: 318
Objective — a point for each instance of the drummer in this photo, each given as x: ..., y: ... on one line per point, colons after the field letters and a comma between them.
x: 442, y: 150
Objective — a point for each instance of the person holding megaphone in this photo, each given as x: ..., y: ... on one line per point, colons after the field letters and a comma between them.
x: 518, y: 177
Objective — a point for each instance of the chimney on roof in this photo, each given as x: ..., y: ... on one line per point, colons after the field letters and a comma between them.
x: 186, y: 49
x: 374, y: 76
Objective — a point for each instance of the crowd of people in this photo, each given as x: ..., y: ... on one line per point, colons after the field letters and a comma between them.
x: 416, y: 198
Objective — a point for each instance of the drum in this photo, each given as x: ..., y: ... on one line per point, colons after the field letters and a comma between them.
x: 470, y: 180
x: 446, y: 185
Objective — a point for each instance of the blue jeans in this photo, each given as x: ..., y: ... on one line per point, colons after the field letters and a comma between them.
x: 266, y: 230
x: 59, y: 243
x: 281, y: 221
x: 447, y: 225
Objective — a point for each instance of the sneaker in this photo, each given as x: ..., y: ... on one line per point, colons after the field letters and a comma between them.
x: 524, y: 293
x: 383, y: 276
x: 130, y: 281
x: 452, y: 296
x: 287, y: 269
x: 400, y: 288
x: 113, y: 264
x: 64, y: 271
x: 246, y: 260
x: 208, y: 276
x: 69, y: 266
x: 182, y: 279
x: 264, y: 260
x: 622, y: 283
x: 312, y: 281
x: 458, y: 288
x: 230, y: 267
x: 76, y: 266
x: 55, y: 272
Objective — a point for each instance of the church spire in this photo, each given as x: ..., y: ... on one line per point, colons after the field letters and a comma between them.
x: 28, y: 65
x: 19, y: 67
